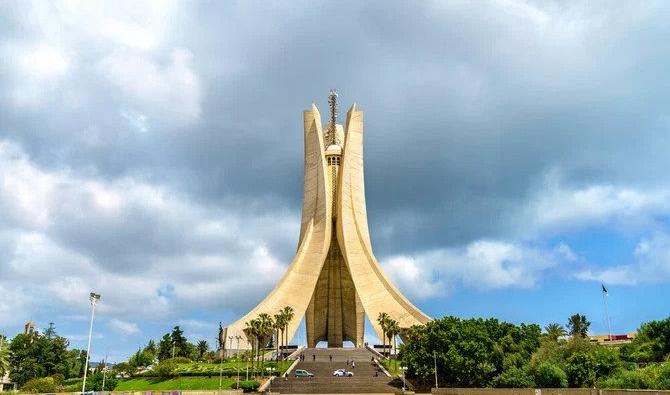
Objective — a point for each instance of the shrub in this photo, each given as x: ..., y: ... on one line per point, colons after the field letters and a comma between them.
x: 628, y: 379
x: 514, y: 378
x: 181, y: 360
x: 44, y: 384
x: 549, y: 375
x: 581, y: 370
x: 607, y: 360
x: 248, y: 386
x: 94, y: 383
x: 58, y: 379
x: 165, y: 369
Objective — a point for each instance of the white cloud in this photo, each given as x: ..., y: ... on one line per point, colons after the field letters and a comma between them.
x: 124, y: 327
x: 170, y: 90
x: 651, y: 264
x: 483, y: 264
x: 44, y: 62
x: 52, y: 64
x: 148, y: 251
x: 559, y: 207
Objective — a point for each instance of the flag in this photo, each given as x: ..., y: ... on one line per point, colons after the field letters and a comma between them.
x: 604, y: 289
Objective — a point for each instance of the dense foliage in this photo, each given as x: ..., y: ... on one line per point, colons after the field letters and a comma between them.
x: 248, y: 386
x: 469, y: 353
x: 490, y: 353
x: 652, y: 343
x: 37, y: 355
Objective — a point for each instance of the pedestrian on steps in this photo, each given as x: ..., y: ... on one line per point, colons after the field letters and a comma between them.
x: 353, y: 364
x: 331, y: 357
x: 313, y: 357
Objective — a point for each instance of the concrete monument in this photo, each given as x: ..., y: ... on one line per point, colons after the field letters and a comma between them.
x: 334, y: 279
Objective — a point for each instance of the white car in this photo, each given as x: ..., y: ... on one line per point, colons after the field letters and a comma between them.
x: 343, y: 373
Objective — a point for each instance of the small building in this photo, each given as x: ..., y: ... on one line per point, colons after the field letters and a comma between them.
x: 6, y: 384
x: 611, y: 340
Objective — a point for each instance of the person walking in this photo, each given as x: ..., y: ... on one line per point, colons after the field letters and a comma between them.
x: 353, y: 364
x: 313, y: 357
x: 331, y: 357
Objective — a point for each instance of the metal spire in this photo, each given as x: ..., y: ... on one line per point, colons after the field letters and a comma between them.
x: 332, y: 101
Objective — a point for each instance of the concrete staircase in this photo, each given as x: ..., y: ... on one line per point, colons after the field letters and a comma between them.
x: 368, y: 379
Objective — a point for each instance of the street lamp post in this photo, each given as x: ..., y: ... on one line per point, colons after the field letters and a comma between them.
x: 231, y: 343
x: 104, y: 374
x: 221, y: 368
x: 403, y: 368
x: 93, y: 298
x: 237, y: 362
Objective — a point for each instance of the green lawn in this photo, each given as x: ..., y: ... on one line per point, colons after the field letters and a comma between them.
x: 183, y: 383
x: 392, y: 366
x: 228, y: 366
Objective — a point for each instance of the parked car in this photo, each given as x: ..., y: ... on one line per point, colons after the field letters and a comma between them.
x: 303, y: 373
x: 343, y: 373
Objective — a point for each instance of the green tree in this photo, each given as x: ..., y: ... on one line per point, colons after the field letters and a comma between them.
x: 652, y: 343
x: 266, y: 329
x: 278, y: 326
x: 469, y: 353
x: 165, y: 347
x: 40, y: 385
x: 555, y: 331
x: 202, y: 347
x: 179, y: 343
x: 549, y: 375
x: 35, y: 355
x: 254, y: 332
x: 392, y: 331
x: 4, y: 356
x: 578, y: 325
x: 152, y: 349
x: 165, y: 369
x: 123, y: 368
x: 581, y: 370
x: 382, y: 321
x: 94, y: 382
x: 141, y: 359
x: 514, y: 378
x: 287, y: 317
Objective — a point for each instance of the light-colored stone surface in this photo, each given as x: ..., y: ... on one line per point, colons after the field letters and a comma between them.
x: 334, y: 279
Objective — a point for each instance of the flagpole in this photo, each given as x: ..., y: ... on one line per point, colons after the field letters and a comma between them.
x: 607, y: 316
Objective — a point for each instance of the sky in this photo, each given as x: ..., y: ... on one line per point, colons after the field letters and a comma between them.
x: 516, y: 157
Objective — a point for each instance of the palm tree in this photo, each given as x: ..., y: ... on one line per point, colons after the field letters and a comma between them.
x: 392, y: 330
x: 253, y: 331
x: 288, y: 314
x: 249, y: 333
x: 202, y: 347
x: 4, y: 357
x: 555, y: 331
x: 279, y: 324
x: 579, y: 325
x: 383, y: 320
x: 266, y: 328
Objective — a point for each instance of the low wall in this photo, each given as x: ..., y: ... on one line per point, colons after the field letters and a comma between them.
x: 543, y: 391
x: 212, y: 392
